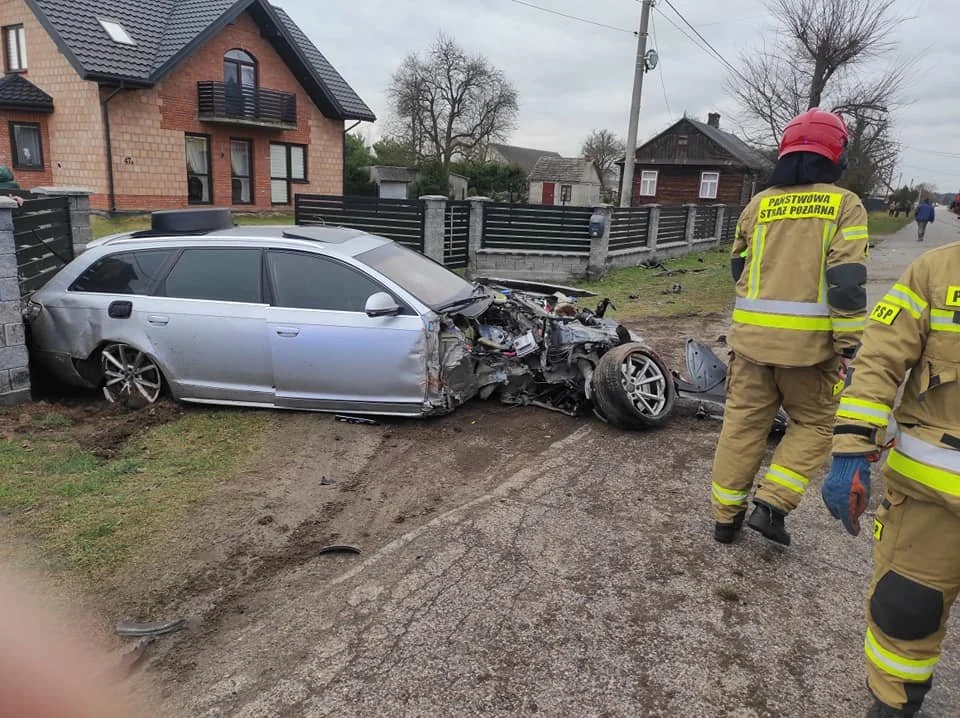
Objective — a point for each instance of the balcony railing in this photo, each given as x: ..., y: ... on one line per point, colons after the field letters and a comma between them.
x: 233, y: 104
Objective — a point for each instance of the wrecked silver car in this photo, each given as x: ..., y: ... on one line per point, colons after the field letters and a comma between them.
x: 328, y: 319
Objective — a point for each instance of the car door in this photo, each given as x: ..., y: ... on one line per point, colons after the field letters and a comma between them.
x: 327, y: 353
x: 207, y: 326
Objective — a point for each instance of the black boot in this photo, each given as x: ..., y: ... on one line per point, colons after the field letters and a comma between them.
x: 882, y: 710
x: 726, y: 533
x: 769, y: 522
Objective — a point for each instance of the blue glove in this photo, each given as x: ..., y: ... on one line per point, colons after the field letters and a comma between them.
x: 846, y: 490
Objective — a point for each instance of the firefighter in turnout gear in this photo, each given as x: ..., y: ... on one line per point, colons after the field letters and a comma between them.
x: 798, y: 260
x: 914, y: 328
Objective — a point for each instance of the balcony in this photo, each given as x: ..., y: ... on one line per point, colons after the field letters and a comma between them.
x: 250, y: 106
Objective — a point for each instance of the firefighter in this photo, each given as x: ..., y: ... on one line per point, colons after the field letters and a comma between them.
x: 915, y: 328
x: 798, y: 261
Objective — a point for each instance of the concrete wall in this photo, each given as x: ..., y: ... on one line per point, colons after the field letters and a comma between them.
x: 14, y: 371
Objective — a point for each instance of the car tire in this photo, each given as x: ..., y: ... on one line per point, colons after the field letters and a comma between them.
x: 131, y: 377
x: 633, y: 389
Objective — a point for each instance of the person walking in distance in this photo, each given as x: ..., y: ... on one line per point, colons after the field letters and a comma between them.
x: 914, y: 329
x: 924, y: 215
x: 798, y: 262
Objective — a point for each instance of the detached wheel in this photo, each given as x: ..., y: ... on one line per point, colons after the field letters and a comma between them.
x: 632, y: 388
x: 130, y: 377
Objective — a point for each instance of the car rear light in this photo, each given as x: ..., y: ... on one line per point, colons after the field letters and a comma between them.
x: 31, y: 311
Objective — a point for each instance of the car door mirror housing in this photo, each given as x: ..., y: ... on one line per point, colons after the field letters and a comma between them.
x: 382, y: 304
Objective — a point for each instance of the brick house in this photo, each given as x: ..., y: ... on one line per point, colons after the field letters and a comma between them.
x: 166, y: 103
x: 693, y: 162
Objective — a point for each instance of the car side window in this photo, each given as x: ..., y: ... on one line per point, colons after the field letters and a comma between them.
x: 123, y: 273
x: 306, y: 281
x: 225, y: 275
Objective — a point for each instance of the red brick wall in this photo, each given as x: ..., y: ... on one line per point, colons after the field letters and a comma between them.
x: 148, y: 129
x: 681, y: 185
x: 28, y: 179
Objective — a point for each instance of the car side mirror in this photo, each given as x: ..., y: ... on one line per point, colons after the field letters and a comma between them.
x: 382, y: 304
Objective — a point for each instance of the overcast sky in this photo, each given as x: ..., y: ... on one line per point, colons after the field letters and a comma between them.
x: 573, y: 77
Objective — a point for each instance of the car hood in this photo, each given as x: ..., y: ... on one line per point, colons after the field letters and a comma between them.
x: 535, y: 287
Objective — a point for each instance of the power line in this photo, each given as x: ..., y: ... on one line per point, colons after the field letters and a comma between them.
x: 653, y: 26
x: 684, y: 33
x: 939, y: 153
x: 573, y: 17
x: 706, y: 42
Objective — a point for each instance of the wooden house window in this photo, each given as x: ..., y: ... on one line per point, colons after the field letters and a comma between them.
x: 648, y: 183
x: 709, y: 182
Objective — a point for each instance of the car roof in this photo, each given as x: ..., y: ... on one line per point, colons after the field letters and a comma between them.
x: 336, y: 241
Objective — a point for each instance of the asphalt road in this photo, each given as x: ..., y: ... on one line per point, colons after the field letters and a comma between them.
x: 585, y: 584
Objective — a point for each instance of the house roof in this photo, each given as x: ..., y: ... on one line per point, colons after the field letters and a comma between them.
x: 523, y: 157
x: 565, y: 170
x: 18, y: 93
x: 165, y: 32
x: 384, y: 173
x: 739, y: 149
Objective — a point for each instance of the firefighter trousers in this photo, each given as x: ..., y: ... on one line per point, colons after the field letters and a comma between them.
x: 916, y: 578
x: 810, y: 396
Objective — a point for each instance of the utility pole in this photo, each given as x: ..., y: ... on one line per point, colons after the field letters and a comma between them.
x: 626, y: 190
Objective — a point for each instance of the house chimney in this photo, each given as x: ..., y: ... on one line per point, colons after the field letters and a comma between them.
x: 713, y: 119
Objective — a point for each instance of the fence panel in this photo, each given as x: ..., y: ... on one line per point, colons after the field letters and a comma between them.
x: 673, y: 225
x: 629, y: 228
x: 730, y: 223
x: 456, y: 234
x: 537, y: 227
x: 706, y: 224
x: 398, y: 219
x: 43, y: 240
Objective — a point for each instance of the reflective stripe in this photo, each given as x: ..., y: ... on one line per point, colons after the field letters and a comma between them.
x: 849, y: 324
x: 861, y: 410
x: 785, y: 477
x: 913, y: 301
x: 942, y: 320
x: 781, y: 321
x: 777, y: 306
x: 908, y: 669
x: 853, y: 233
x: 902, y: 303
x: 919, y: 450
x: 759, y: 243
x: 728, y: 497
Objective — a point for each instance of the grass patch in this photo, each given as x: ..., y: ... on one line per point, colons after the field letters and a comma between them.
x: 881, y: 223
x: 704, y: 278
x: 88, y: 514
x: 105, y: 226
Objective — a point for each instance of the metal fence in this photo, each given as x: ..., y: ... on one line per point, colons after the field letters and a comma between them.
x: 456, y: 234
x: 397, y: 219
x: 537, y: 227
x: 673, y: 225
x: 706, y: 223
x: 42, y: 238
x: 628, y: 228
x: 730, y: 220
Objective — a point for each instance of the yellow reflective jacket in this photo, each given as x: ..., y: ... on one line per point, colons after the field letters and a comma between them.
x: 915, y: 328
x: 801, y: 297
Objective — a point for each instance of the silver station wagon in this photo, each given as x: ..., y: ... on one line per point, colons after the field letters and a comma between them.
x: 328, y: 319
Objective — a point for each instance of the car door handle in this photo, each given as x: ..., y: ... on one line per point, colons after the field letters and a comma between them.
x: 158, y: 321
x: 288, y: 331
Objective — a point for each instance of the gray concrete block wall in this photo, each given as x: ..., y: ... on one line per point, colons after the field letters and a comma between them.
x: 14, y: 362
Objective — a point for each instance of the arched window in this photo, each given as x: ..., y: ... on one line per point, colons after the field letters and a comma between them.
x: 240, y: 68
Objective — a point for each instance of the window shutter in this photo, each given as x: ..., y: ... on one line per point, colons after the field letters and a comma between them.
x: 22, y: 46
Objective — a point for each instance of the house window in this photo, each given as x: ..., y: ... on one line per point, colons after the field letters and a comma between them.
x: 117, y: 32
x: 15, y: 48
x: 648, y: 183
x: 26, y: 145
x: 241, y: 171
x: 709, y: 182
x: 199, y: 187
x: 683, y: 143
x: 566, y: 193
x: 288, y: 164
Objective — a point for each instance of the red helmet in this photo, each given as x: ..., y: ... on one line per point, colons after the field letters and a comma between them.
x: 818, y: 131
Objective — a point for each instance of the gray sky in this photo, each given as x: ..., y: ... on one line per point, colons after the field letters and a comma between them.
x: 573, y: 77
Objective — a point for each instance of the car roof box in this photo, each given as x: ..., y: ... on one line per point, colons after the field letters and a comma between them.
x: 191, y: 221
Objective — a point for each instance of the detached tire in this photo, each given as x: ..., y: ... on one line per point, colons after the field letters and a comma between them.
x: 633, y: 389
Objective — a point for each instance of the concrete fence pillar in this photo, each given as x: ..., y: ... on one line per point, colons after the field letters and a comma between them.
x: 434, y: 213
x: 653, y: 227
x: 600, y: 245
x: 14, y: 363
x: 475, y: 236
x: 79, y: 199
x: 721, y: 220
x: 691, y: 223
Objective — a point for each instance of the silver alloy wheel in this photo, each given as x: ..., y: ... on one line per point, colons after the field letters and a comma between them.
x: 130, y: 377
x: 645, y: 384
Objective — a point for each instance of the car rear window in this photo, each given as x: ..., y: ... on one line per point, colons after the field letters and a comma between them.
x: 123, y: 273
x: 225, y: 275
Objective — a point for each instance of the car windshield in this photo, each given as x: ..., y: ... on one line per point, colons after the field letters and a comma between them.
x: 431, y: 283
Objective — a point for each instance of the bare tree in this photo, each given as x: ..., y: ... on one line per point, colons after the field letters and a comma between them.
x: 827, y: 58
x: 449, y: 105
x: 603, y: 148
